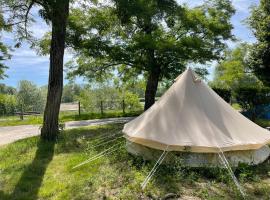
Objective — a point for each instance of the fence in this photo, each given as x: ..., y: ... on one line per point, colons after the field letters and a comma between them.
x: 17, y: 111
x: 103, y: 106
x: 76, y: 108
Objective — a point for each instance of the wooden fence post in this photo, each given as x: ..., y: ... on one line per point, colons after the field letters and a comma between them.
x: 21, y: 115
x: 123, y: 106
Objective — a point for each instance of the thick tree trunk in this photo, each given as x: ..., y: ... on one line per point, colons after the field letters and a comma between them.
x: 154, y: 69
x: 151, y: 87
x: 59, y: 15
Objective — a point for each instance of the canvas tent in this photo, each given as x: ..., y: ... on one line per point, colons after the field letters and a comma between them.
x: 191, y: 120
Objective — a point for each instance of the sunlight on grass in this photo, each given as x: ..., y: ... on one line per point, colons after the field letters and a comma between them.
x: 30, y: 169
x: 65, y: 117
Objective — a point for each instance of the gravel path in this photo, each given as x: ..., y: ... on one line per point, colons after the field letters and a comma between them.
x: 9, y: 134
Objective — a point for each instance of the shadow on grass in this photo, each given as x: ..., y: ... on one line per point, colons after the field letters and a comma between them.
x: 78, y: 140
x: 27, y: 187
x: 122, y: 173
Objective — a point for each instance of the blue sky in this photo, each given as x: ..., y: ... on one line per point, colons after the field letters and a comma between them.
x: 25, y: 64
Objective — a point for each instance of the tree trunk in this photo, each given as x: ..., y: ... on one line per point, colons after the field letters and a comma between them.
x: 151, y: 87
x: 59, y: 14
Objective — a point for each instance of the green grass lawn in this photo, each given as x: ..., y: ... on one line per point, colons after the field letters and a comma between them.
x: 30, y: 170
x: 64, y: 117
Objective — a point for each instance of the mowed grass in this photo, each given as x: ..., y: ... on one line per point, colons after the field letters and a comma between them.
x: 31, y: 169
x: 64, y: 117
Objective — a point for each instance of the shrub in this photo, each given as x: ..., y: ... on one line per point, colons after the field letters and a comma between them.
x: 88, y: 101
x: 30, y: 96
x: 7, y: 104
x: 132, y: 101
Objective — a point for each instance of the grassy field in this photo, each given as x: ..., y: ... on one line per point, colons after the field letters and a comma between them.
x: 64, y: 117
x: 30, y: 170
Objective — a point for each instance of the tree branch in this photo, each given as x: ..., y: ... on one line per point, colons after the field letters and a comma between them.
x: 26, y: 17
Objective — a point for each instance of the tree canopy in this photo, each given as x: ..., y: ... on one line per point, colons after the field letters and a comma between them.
x: 4, y: 53
x: 153, y: 38
x: 233, y: 72
x: 259, y: 59
x: 4, y: 89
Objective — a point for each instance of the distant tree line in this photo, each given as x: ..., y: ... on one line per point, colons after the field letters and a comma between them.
x: 27, y: 97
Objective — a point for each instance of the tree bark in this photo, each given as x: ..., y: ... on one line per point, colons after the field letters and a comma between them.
x: 59, y: 14
x: 151, y: 87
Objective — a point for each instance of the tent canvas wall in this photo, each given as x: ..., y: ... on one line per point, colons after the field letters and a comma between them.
x: 191, y: 118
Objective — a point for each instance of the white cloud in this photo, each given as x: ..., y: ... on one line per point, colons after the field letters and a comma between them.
x: 244, y: 5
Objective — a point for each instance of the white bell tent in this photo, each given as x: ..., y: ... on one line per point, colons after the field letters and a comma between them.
x: 191, y: 118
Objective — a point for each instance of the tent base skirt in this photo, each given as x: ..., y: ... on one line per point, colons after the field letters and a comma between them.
x: 250, y: 157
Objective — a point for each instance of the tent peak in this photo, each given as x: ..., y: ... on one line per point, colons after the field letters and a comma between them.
x: 195, y: 77
x: 191, y: 73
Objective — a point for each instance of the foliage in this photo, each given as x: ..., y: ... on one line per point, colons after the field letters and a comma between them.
x: 30, y: 96
x: 4, y: 89
x: 141, y: 36
x: 112, y: 95
x: 132, y: 101
x: 7, y: 104
x: 88, y: 101
x: 70, y: 92
x: 223, y: 93
x: 252, y: 99
x: 47, y: 168
x: 188, y: 35
x: 259, y: 58
x: 43, y: 46
x: 3, y: 56
x: 19, y: 17
x: 110, y: 98
x: 4, y: 51
x: 232, y: 72
x: 132, y: 83
x: 246, y: 172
